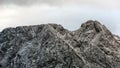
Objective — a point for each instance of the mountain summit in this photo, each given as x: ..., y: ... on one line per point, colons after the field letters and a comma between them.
x: 52, y: 46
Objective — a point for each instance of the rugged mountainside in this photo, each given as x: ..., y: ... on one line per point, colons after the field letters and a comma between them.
x: 52, y: 46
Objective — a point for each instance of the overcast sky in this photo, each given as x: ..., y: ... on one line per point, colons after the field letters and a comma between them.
x: 69, y: 13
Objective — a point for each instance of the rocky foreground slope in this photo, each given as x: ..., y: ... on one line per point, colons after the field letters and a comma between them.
x: 52, y: 46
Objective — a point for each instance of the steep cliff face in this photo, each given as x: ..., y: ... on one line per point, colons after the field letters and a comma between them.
x: 52, y: 46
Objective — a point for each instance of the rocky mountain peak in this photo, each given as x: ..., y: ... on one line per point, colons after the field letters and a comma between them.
x: 53, y: 46
x: 95, y: 26
x: 92, y: 25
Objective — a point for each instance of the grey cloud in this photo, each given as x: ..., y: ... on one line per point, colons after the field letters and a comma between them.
x: 18, y: 2
x: 102, y: 4
x: 28, y: 2
x: 92, y: 3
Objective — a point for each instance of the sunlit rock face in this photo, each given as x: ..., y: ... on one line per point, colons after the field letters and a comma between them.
x: 52, y: 46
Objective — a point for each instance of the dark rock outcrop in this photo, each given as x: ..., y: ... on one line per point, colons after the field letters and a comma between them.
x: 52, y: 46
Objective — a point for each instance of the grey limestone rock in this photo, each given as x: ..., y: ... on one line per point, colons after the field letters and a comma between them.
x: 52, y: 46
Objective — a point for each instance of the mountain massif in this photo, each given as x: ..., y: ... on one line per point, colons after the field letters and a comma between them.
x: 52, y: 46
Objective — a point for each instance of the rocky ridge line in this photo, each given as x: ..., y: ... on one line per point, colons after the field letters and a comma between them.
x: 52, y: 46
